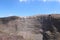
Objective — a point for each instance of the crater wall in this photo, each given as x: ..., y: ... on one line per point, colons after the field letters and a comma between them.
x: 39, y: 27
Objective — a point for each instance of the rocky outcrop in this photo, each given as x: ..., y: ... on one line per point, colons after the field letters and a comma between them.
x: 39, y: 27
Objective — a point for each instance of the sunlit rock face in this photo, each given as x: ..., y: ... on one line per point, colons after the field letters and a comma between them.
x: 39, y: 27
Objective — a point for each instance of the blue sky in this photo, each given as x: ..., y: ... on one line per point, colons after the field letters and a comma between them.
x: 28, y: 7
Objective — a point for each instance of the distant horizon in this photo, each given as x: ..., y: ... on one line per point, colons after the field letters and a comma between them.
x: 30, y: 15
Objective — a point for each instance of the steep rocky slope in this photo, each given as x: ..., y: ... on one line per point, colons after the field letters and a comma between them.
x: 39, y: 27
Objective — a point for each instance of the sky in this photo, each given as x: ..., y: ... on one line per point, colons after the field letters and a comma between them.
x: 28, y: 7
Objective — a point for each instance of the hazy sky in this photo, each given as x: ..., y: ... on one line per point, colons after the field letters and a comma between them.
x: 28, y: 7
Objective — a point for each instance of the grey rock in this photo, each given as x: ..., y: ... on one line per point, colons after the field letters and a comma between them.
x: 39, y: 27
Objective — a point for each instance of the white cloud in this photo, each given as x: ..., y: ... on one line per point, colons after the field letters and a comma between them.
x: 49, y: 0
x: 52, y: 0
x: 44, y: 0
x: 23, y: 0
x: 40, y: 0
x: 58, y: 0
